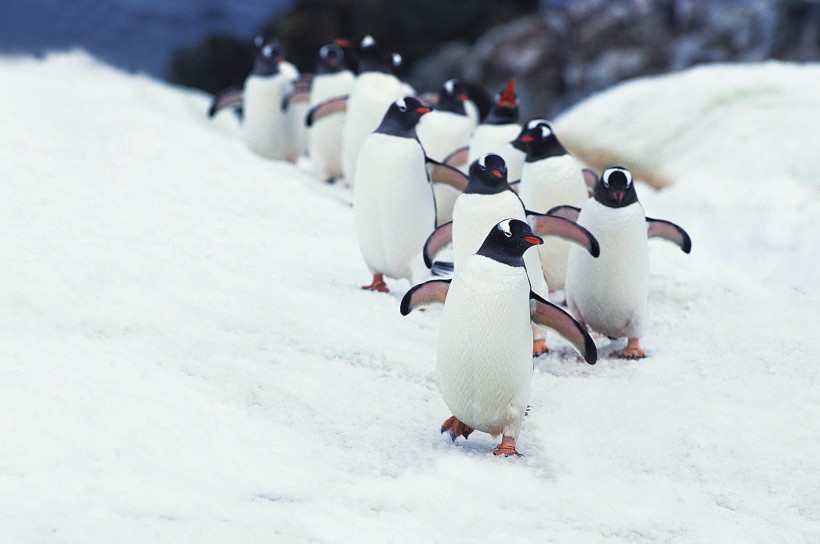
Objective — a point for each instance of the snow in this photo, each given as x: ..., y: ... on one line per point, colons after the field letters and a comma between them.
x: 185, y: 355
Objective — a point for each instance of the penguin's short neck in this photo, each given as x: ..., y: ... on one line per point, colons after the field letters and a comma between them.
x: 607, y: 195
x: 265, y: 67
x: 543, y: 149
x: 478, y: 185
x: 501, y: 115
x: 403, y: 126
x: 495, y: 249
x: 452, y: 104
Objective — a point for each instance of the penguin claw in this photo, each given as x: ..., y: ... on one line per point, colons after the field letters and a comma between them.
x: 632, y: 350
x: 377, y: 284
x: 506, y: 448
x: 539, y: 347
x: 456, y: 428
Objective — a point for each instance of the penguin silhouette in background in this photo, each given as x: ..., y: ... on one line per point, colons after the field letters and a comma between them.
x: 332, y: 79
x: 443, y: 130
x: 550, y: 177
x: 393, y: 202
x: 486, y: 200
x: 609, y: 294
x: 265, y: 128
x: 484, y: 363
x: 497, y: 130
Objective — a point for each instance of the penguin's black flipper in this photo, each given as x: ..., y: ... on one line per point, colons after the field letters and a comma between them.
x: 658, y: 228
x: 457, y: 157
x: 440, y: 237
x: 229, y: 98
x: 424, y: 294
x: 547, y: 314
x: 567, y: 212
x: 555, y: 225
x: 325, y: 108
x: 447, y: 175
x: 590, y: 178
x: 295, y: 96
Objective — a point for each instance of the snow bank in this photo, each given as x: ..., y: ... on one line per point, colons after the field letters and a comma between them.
x: 185, y: 355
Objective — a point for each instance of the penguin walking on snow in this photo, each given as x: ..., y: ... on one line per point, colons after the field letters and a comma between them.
x: 486, y: 200
x: 483, y: 364
x: 550, y: 177
x: 332, y: 79
x: 393, y: 202
x: 609, y: 294
x: 445, y: 129
x: 265, y: 126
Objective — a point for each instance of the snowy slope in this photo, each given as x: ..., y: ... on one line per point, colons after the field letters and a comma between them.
x: 185, y: 355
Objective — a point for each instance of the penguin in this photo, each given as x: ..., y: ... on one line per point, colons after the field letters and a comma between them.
x: 483, y: 364
x: 393, y: 202
x: 372, y: 92
x: 487, y: 199
x: 497, y: 130
x: 446, y: 128
x: 332, y: 79
x: 265, y: 127
x: 550, y: 177
x: 609, y: 294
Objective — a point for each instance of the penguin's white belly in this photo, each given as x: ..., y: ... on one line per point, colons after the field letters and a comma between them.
x: 325, y: 136
x: 264, y: 127
x: 494, y: 139
x: 545, y: 184
x: 441, y: 133
x: 392, y: 204
x: 474, y: 215
x: 610, y: 293
x: 484, y: 363
x: 370, y: 97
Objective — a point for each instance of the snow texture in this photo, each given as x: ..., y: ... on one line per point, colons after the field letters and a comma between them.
x: 185, y: 354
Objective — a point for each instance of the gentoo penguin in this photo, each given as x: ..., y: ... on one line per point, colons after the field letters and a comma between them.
x: 497, y: 130
x: 550, y: 177
x: 609, y: 294
x: 446, y: 128
x: 486, y: 200
x: 393, y: 202
x: 332, y: 79
x: 265, y: 128
x: 484, y: 365
x: 375, y: 88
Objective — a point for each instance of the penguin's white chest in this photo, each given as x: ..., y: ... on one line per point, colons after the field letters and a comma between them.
x: 484, y: 363
x: 370, y: 97
x: 392, y: 204
x: 544, y: 184
x: 610, y: 293
x: 325, y: 136
x: 264, y: 126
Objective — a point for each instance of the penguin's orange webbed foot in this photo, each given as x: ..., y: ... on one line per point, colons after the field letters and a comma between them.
x: 456, y: 428
x: 632, y: 350
x: 506, y: 448
x: 539, y: 347
x: 377, y: 284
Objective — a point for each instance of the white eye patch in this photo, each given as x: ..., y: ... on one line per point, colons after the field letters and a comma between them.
x: 267, y: 51
x: 504, y: 226
x: 482, y: 161
x: 616, y: 170
x: 449, y: 85
x: 368, y: 41
x: 401, y: 104
x: 537, y: 122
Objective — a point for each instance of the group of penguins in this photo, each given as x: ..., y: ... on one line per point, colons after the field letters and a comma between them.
x: 454, y: 171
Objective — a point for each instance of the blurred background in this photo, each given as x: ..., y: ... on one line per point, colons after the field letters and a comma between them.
x: 559, y: 51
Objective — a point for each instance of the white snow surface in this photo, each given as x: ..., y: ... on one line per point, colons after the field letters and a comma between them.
x: 185, y: 354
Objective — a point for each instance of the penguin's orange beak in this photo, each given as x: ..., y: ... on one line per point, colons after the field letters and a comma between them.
x: 618, y: 195
x: 342, y: 42
x: 423, y: 109
x: 462, y: 97
x: 534, y: 240
x: 495, y: 173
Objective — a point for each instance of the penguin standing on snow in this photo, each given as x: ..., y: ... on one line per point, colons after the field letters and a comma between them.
x: 484, y: 365
x: 265, y: 126
x: 332, y: 79
x: 550, y: 177
x: 486, y: 200
x: 393, y: 202
x: 446, y: 128
x: 609, y: 294
x: 497, y: 130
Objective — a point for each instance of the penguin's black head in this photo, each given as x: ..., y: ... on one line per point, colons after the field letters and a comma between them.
x: 402, y: 116
x: 371, y: 59
x: 507, y: 242
x: 268, y: 55
x: 615, y: 189
x: 331, y: 60
x: 351, y: 53
x: 537, y: 139
x: 505, y: 108
x: 488, y: 175
x: 452, y: 96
